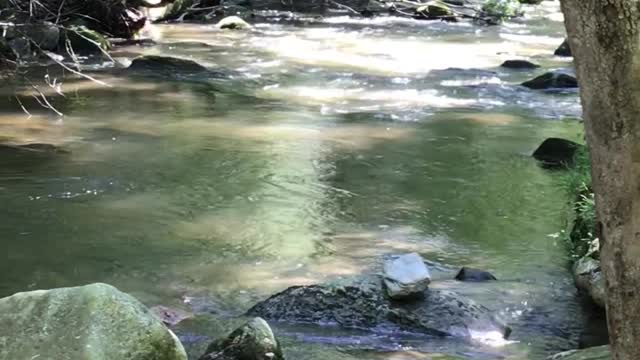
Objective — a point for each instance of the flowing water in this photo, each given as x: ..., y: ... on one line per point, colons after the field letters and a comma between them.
x: 323, y: 145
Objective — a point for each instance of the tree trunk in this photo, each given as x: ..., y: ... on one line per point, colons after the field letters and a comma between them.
x: 605, y: 41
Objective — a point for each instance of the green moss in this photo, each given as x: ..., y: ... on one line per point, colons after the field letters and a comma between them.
x: 501, y: 9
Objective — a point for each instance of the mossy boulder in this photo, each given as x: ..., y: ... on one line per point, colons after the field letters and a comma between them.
x: 594, y: 353
x: 83, y: 40
x: 252, y: 341
x: 233, y: 23
x: 434, y: 10
x: 92, y: 322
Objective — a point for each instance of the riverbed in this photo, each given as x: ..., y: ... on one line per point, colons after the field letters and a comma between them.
x: 322, y: 145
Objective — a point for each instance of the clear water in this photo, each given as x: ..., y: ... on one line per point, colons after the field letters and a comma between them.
x: 325, y: 145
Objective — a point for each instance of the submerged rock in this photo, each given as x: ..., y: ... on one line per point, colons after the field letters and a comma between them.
x: 45, y: 35
x: 589, y: 279
x: 563, y: 50
x: 361, y: 303
x: 519, y: 64
x: 233, y: 23
x: 594, y: 353
x: 252, y: 341
x: 556, y: 152
x: 552, y: 80
x: 169, y: 316
x: 405, y: 276
x: 166, y: 64
x: 92, y: 322
x: 476, y: 275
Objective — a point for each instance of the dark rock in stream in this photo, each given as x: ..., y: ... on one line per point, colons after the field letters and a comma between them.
x: 474, y: 275
x: 252, y: 341
x: 564, y: 49
x: 362, y: 303
x: 519, y: 64
x: 556, y: 153
x: 166, y: 64
x: 552, y: 80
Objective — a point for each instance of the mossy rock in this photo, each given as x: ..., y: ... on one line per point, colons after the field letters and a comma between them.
x: 93, y: 322
x: 434, y: 10
x: 86, y: 41
x: 252, y: 341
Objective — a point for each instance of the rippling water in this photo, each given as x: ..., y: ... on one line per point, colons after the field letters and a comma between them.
x: 326, y: 144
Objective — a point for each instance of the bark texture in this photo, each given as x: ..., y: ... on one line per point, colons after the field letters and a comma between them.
x: 605, y: 41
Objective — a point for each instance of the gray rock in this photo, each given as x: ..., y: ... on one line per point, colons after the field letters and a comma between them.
x: 405, y: 275
x: 552, y: 80
x: 588, y: 278
x: 93, y: 322
x: 361, y: 303
x: 252, y: 341
x: 594, y: 353
x: 85, y: 41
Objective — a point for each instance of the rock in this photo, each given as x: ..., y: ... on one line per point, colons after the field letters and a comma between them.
x: 21, y: 47
x: 405, y: 276
x: 552, y: 80
x: 166, y: 64
x: 31, y: 149
x: 86, y: 41
x: 519, y: 64
x: 470, y: 274
x: 253, y: 341
x: 433, y: 10
x: 530, y: 2
x: 594, y: 353
x: 233, y: 23
x: 8, y: 57
x: 556, y: 152
x: 168, y: 316
x: 45, y: 36
x: 361, y: 303
x: 92, y: 322
x: 564, y: 49
x: 588, y: 277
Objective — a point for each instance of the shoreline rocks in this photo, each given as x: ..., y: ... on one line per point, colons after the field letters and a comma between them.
x: 519, y: 64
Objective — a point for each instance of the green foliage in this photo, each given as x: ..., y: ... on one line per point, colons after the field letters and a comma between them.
x: 502, y: 9
x: 581, y: 238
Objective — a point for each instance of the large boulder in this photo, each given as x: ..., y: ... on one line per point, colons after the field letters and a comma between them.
x: 556, y: 152
x: 594, y: 353
x: 362, y: 303
x: 252, y: 341
x: 589, y: 279
x: 564, y: 49
x: 552, y: 80
x: 92, y: 322
x: 433, y: 10
x: 405, y: 276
